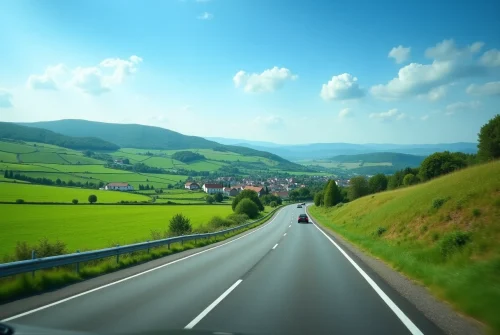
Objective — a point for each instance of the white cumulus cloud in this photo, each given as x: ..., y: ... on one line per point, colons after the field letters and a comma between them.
x: 491, y: 58
x: 49, y: 80
x: 346, y: 112
x: 437, y: 93
x: 205, y: 16
x: 461, y: 106
x: 400, y: 54
x: 491, y: 88
x: 342, y: 87
x: 389, y: 115
x: 5, y: 99
x: 450, y: 63
x: 93, y: 80
x: 268, y: 81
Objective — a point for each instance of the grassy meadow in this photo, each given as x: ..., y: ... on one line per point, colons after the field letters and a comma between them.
x: 93, y: 227
x: 443, y: 233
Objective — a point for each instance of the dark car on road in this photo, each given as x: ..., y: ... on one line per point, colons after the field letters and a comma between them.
x: 303, y: 218
x: 299, y: 206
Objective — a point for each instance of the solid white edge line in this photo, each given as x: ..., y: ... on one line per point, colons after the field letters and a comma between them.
x: 399, y: 313
x: 137, y: 274
x: 212, y: 306
x: 275, y: 246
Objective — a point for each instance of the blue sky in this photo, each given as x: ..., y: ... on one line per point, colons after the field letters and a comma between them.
x: 271, y: 70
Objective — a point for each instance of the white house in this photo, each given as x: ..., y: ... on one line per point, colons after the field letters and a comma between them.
x: 212, y: 188
x: 119, y: 187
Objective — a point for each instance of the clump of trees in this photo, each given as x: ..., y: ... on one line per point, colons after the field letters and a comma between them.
x: 268, y: 199
x: 147, y: 188
x: 92, y: 198
x: 248, y: 207
x: 489, y: 140
x: 187, y: 156
x: 247, y: 194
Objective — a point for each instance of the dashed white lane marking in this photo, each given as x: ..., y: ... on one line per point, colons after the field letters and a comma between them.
x: 284, y: 234
x: 275, y: 246
x: 212, y: 306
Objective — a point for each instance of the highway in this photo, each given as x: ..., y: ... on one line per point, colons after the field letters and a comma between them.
x: 281, y: 278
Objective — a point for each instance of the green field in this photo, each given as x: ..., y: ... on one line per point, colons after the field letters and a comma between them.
x: 42, y: 193
x: 93, y: 227
x: 443, y: 233
x: 45, y: 157
x: 7, y: 157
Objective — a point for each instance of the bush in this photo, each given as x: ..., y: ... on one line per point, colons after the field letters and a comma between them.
x: 209, y: 199
x: 476, y: 212
x: 318, y: 199
x: 19, y: 201
x: 453, y: 242
x: 381, y: 230
x: 218, y: 197
x: 273, y: 204
x: 74, y: 201
x: 180, y: 225
x: 44, y: 248
x: 340, y: 204
x: 248, y: 207
x: 238, y: 218
x: 438, y: 203
x: 92, y: 198
x: 218, y: 222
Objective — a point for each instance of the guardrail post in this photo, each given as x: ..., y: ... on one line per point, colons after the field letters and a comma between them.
x: 33, y: 256
x: 117, y: 255
x: 77, y: 264
x: 148, y: 245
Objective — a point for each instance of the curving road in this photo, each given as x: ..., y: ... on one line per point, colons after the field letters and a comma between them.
x: 282, y: 278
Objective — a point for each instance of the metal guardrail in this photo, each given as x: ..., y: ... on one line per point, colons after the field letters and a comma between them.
x: 32, y: 265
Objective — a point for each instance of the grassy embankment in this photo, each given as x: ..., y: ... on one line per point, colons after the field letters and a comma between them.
x: 24, y: 285
x: 443, y: 233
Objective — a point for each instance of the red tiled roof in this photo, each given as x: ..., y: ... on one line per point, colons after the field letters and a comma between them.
x: 118, y: 184
x: 254, y: 188
x: 213, y: 186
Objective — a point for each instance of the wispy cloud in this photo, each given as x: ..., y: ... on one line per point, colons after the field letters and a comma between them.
x: 389, y: 115
x: 346, y: 112
x: 461, y: 106
x: 206, y: 16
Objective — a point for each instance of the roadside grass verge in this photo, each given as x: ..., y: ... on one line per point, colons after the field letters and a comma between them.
x: 24, y: 285
x: 444, y: 234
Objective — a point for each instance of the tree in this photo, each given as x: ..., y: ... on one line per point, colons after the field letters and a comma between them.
x: 378, y: 183
x: 248, y: 207
x: 250, y: 194
x: 74, y: 201
x: 6, y: 174
x: 318, y: 199
x: 126, y: 161
x: 218, y: 197
x: 267, y: 190
x: 11, y: 174
x: 410, y: 179
x: 180, y: 225
x: 273, y: 204
x: 440, y: 163
x: 358, y: 187
x: 92, y: 198
x: 209, y: 199
x: 304, y: 193
x: 489, y: 140
x: 331, y: 194
x: 293, y: 195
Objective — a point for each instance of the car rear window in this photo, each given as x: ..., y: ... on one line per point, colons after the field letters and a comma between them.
x: 302, y: 215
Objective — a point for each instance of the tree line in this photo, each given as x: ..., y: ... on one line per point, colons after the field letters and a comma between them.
x: 435, y: 165
x: 9, y: 174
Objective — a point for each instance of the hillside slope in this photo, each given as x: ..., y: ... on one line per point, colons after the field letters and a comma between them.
x: 443, y: 233
x: 381, y: 157
x: 148, y: 137
x: 14, y: 131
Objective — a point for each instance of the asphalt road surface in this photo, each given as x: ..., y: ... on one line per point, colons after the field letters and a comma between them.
x: 282, y: 278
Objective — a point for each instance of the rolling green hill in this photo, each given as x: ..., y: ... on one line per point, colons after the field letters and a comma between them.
x: 381, y: 157
x: 443, y: 233
x: 148, y: 137
x: 13, y: 131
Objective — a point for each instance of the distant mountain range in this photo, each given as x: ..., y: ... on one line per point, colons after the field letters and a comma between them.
x: 300, y: 152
